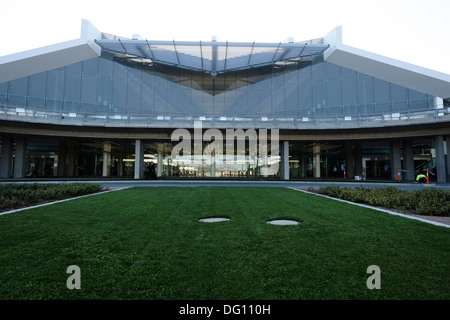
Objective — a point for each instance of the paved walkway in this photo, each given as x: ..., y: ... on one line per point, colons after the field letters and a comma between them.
x: 265, y: 183
x: 303, y: 185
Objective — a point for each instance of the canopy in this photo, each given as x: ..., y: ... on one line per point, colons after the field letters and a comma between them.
x: 211, y: 57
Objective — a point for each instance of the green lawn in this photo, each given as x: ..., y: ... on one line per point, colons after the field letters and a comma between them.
x: 147, y: 243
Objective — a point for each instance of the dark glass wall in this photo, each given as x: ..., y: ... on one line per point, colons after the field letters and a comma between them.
x: 104, y: 86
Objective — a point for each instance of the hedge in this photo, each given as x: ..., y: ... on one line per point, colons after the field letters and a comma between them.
x: 14, y: 196
x: 429, y: 201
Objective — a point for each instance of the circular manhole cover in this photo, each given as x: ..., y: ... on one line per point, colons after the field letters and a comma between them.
x: 283, y: 222
x: 218, y: 219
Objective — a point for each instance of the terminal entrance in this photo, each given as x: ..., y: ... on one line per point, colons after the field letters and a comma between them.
x: 46, y: 157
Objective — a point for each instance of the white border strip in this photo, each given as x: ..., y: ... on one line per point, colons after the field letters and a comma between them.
x: 59, y: 201
x: 377, y: 209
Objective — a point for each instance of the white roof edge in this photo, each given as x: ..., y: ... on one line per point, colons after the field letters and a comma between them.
x: 401, y: 73
x: 22, y: 64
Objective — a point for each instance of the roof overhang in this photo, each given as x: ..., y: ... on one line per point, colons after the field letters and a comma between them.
x: 211, y: 57
x: 395, y: 71
x: 46, y: 58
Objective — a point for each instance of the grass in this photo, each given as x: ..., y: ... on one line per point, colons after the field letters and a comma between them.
x: 147, y: 243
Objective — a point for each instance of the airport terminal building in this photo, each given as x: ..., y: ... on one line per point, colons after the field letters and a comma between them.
x: 105, y: 106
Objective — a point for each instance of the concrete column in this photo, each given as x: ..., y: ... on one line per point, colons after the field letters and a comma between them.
x: 349, y: 166
x: 139, y: 160
x: 6, y: 157
x: 396, y: 161
x: 440, y: 159
x: 20, y: 157
x: 316, y: 160
x: 447, y: 156
x: 62, y: 158
x: 284, y: 165
x: 70, y: 170
x: 408, y: 160
x: 106, y: 170
x: 212, y: 169
x: 160, y: 164
x: 358, y: 159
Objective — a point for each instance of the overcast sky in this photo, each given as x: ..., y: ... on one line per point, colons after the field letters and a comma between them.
x: 414, y: 31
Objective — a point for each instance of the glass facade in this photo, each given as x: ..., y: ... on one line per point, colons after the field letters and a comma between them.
x: 123, y: 89
x: 95, y: 158
x: 138, y: 93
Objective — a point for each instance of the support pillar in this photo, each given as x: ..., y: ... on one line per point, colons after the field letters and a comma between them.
x: 212, y: 169
x: 160, y: 164
x: 396, y: 161
x: 349, y: 166
x: 106, y: 170
x: 70, y: 170
x: 62, y: 158
x: 284, y: 172
x: 20, y: 157
x: 447, y: 156
x: 139, y: 159
x: 358, y: 160
x: 440, y: 159
x: 408, y: 160
x: 6, y: 157
x: 316, y: 160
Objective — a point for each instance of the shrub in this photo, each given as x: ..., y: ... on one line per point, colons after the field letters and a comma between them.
x: 17, y: 195
x: 430, y: 201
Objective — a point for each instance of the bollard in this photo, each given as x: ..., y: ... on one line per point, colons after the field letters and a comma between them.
x: 428, y: 178
x: 398, y: 173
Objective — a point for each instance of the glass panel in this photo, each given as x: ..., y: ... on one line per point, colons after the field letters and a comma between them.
x: 134, y: 89
x: 147, y: 94
x: 334, y: 92
x: 319, y: 94
x: 76, y: 67
x: 278, y: 96
x: 90, y: 66
x: 173, y: 100
x: 398, y: 93
x: 305, y: 97
x: 37, y: 85
x: 265, y: 97
x: 160, y: 97
x: 382, y: 91
x: 252, y: 108
x: 119, y: 93
x: 19, y: 87
x: 365, y: 90
x: 349, y: 91
x: 72, y: 88
x: 89, y: 89
x: 4, y: 88
x: 319, y: 71
x: 104, y: 91
x: 55, y: 85
x: 105, y: 67
x: 347, y: 73
x: 291, y: 94
x: 333, y: 71
x: 164, y: 53
x: 417, y: 100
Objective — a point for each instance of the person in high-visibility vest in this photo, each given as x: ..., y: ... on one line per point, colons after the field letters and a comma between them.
x: 421, y: 178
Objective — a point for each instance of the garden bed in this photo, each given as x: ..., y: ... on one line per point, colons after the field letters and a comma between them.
x: 16, y: 196
x: 425, y: 202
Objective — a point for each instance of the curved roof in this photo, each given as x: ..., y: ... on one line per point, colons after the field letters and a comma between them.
x: 211, y: 57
